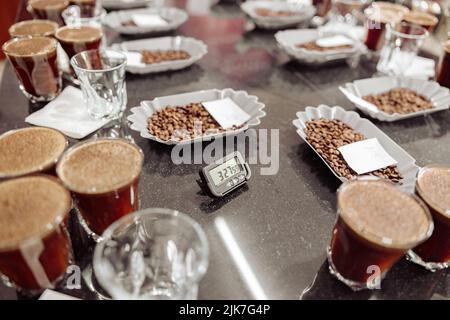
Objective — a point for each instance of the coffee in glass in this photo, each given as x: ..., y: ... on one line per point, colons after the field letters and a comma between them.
x: 88, y: 8
x: 30, y: 150
x: 376, y: 225
x: 48, y: 9
x: 75, y: 39
x: 423, y: 19
x: 444, y: 67
x: 433, y: 187
x: 33, y: 28
x: 35, y: 248
x: 376, y: 20
x: 34, y: 60
x: 103, y: 175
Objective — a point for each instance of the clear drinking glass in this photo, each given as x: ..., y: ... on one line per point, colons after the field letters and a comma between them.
x: 153, y: 254
x: 403, y: 41
x: 102, y: 77
x: 73, y: 17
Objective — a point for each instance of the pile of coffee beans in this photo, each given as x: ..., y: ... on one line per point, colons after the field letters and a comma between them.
x: 182, y: 123
x: 399, y: 100
x: 264, y: 12
x: 313, y: 46
x: 149, y: 57
x: 326, y: 136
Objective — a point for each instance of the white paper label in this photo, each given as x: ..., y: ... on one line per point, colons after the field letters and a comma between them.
x: 53, y: 295
x: 134, y: 59
x: 366, y: 156
x: 148, y: 20
x: 226, y: 113
x: 334, y: 41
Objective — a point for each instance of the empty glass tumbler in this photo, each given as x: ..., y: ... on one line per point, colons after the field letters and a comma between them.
x: 153, y: 254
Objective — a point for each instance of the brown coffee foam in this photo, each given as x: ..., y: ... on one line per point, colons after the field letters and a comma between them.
x: 378, y: 211
x: 48, y: 4
x: 33, y: 28
x: 27, y: 47
x: 100, y: 166
x: 79, y: 34
x: 28, y: 206
x: 421, y: 18
x: 390, y: 6
x: 382, y: 15
x: 434, y: 187
x: 29, y: 150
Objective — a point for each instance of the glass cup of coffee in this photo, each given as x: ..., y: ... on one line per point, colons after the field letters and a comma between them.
x: 35, y: 247
x: 73, y: 16
x: 102, y: 77
x: 347, y: 10
x: 48, y: 9
x: 433, y: 187
x: 29, y: 151
x: 444, y: 66
x: 88, y: 8
x: 402, y: 44
x: 33, y: 28
x: 377, y: 18
x: 167, y: 256
x: 426, y: 20
x: 35, y: 62
x: 103, y: 175
x: 376, y: 225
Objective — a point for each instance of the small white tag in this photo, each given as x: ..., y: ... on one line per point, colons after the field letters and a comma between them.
x: 148, y: 20
x: 134, y: 59
x: 226, y: 112
x: 334, y: 41
x: 53, y: 295
x: 366, y: 156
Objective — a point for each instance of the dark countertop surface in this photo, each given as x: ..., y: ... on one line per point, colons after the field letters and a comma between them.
x: 282, y: 223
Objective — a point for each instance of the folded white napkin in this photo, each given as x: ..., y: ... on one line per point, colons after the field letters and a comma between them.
x: 68, y: 114
x: 422, y: 68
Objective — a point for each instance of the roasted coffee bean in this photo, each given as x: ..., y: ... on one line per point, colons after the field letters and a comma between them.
x: 326, y: 136
x: 149, y: 57
x: 183, y: 123
x: 313, y: 46
x: 399, y: 100
x: 265, y: 12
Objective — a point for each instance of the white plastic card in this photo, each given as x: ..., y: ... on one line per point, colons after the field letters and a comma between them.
x: 366, y: 156
x: 148, y: 20
x: 134, y: 59
x: 226, y: 112
x: 333, y: 41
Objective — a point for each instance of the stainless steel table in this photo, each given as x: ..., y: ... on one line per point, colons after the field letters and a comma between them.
x: 280, y: 224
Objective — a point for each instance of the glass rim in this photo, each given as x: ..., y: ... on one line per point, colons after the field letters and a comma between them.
x: 77, y: 27
x: 392, y: 30
x: 16, y: 39
x: 380, y: 240
x: 92, y: 141
x: 42, y: 168
x: 442, y: 211
x: 119, y: 66
x: 49, y: 227
x: 25, y: 22
x: 369, y: 11
x: 153, y: 212
x: 414, y: 13
x: 55, y: 6
x: 101, y: 14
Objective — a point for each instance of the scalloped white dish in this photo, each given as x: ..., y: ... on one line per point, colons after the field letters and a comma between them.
x: 196, y: 48
x: 438, y: 95
x: 405, y: 163
x: 305, y: 11
x: 248, y: 103
x: 125, y: 4
x: 288, y: 39
x: 174, y: 16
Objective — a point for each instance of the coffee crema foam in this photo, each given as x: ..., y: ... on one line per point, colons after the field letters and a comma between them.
x: 386, y: 16
x: 48, y: 4
x: 434, y: 186
x: 33, y: 28
x: 421, y: 18
x: 382, y: 214
x: 100, y: 166
x: 28, y: 206
x: 29, y: 150
x: 27, y: 47
x: 79, y: 34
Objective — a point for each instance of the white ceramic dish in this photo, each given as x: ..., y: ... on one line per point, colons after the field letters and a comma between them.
x: 196, y: 48
x: 288, y: 39
x: 125, y: 4
x: 248, y: 103
x: 439, y: 96
x: 406, y: 164
x: 174, y: 16
x: 304, y: 9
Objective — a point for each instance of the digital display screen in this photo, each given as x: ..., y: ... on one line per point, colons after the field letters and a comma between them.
x: 224, y: 171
